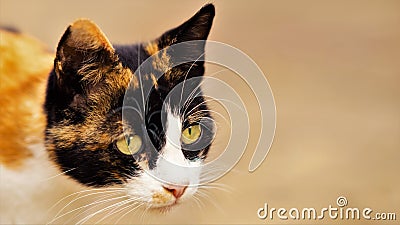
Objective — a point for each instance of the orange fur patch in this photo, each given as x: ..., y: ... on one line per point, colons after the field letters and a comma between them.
x: 24, y: 68
x: 89, y: 35
x: 161, y: 198
x: 153, y: 78
x: 151, y: 48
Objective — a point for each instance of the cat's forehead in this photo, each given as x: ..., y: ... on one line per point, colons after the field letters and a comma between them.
x: 150, y: 63
x: 162, y: 61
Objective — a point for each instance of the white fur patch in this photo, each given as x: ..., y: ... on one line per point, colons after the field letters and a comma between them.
x: 27, y: 194
x: 149, y: 186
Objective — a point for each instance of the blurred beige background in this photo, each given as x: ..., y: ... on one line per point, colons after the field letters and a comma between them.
x: 334, y: 70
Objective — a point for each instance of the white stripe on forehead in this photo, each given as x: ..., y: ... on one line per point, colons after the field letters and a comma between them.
x: 172, y: 165
x: 168, y: 165
x: 172, y: 149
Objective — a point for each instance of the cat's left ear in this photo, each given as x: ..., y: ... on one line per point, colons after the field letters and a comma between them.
x: 196, y: 28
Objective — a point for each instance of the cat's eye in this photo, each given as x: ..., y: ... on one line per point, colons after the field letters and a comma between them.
x: 129, y: 145
x: 191, y: 134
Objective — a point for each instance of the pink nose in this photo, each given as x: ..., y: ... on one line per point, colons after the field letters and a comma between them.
x: 176, y: 190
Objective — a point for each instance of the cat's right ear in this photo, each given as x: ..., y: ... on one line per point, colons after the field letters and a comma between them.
x: 84, y: 54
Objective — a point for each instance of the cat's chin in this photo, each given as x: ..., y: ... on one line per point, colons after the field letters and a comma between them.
x: 165, y: 208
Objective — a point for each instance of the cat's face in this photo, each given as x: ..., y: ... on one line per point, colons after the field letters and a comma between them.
x: 89, y: 139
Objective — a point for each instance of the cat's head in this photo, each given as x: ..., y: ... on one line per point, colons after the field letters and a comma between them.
x: 89, y: 139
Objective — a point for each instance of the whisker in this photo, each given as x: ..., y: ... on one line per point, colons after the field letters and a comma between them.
x: 210, y: 199
x: 217, y: 100
x: 115, y: 205
x: 86, y: 218
x: 87, y: 205
x: 65, y: 172
x: 191, y: 96
x: 187, y: 73
x: 116, y: 210
x: 135, y: 206
x: 83, y: 210
x: 86, y: 195
x: 83, y: 191
x: 198, y: 201
x: 220, y: 188
x: 198, y: 105
x: 144, y: 213
x: 217, y: 115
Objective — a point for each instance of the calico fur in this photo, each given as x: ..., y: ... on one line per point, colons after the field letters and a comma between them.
x: 84, y: 99
x: 24, y: 67
x: 62, y: 115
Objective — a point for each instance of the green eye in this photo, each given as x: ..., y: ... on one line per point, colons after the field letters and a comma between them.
x: 191, y: 134
x: 129, y: 145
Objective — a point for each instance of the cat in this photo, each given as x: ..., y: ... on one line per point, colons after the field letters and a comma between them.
x: 63, y: 131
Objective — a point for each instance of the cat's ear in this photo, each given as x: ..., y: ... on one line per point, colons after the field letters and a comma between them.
x: 196, y: 28
x: 190, y: 37
x: 83, y: 55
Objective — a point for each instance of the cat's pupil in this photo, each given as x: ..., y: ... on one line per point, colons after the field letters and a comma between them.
x: 190, y: 130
